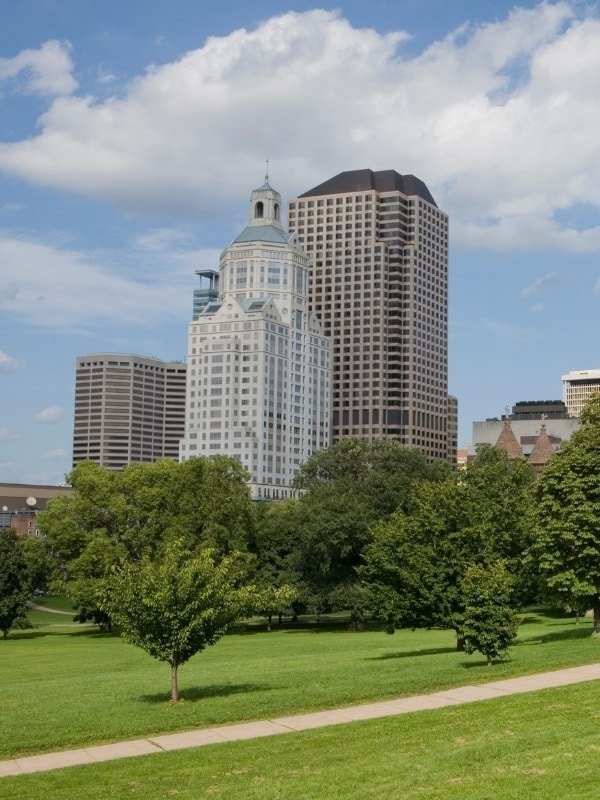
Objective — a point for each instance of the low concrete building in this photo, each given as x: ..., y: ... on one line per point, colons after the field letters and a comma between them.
x: 526, y: 422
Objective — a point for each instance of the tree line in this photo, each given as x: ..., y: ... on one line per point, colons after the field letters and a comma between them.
x: 376, y: 530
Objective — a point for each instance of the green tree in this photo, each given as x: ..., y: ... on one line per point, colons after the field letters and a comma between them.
x: 566, y: 517
x: 416, y: 562
x: 178, y: 604
x: 348, y: 488
x: 15, y: 584
x: 488, y: 623
x: 112, y: 516
x: 40, y: 564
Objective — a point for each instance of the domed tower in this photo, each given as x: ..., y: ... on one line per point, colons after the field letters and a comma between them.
x: 259, y: 363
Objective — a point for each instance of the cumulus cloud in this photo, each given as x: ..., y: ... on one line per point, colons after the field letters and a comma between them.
x: 45, y: 71
x: 8, y: 363
x: 6, y: 435
x: 49, y: 415
x: 499, y: 119
x: 54, y: 454
x: 57, y: 287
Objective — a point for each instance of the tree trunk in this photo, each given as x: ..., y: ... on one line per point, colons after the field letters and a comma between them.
x: 269, y: 619
x: 460, y: 644
x: 489, y: 661
x: 596, y: 631
x: 174, y: 688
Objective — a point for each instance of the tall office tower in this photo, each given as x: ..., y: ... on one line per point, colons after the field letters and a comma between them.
x: 577, y: 387
x: 378, y: 246
x: 128, y: 408
x: 258, y: 384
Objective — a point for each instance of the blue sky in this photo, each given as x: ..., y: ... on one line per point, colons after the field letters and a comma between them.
x: 131, y: 134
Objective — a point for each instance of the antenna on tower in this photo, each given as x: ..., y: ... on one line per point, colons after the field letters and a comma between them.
x: 267, y: 170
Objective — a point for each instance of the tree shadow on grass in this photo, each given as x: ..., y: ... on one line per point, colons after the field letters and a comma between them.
x: 44, y: 632
x: 555, y: 636
x: 195, y: 693
x: 431, y: 651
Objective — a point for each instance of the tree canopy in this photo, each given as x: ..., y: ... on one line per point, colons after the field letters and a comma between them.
x: 125, y: 515
x: 15, y: 584
x: 348, y: 488
x: 415, y: 565
x: 566, y: 517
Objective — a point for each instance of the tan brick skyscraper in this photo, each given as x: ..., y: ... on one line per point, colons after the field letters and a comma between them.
x: 378, y: 246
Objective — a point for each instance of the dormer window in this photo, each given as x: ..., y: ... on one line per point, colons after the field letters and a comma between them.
x: 259, y: 210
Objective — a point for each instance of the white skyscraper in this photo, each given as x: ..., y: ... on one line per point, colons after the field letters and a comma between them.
x: 258, y: 385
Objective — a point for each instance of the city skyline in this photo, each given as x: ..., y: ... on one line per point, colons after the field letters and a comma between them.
x: 128, y: 133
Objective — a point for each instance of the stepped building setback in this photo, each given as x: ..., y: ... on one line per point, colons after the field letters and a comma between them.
x: 258, y: 385
x: 378, y: 249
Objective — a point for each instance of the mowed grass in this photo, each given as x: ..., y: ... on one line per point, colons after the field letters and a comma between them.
x: 523, y: 747
x: 65, y: 687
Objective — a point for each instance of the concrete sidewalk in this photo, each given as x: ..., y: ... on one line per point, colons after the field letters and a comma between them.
x: 300, y: 722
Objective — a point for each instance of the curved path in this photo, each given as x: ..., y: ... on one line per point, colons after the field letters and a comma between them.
x: 300, y: 722
x: 31, y: 604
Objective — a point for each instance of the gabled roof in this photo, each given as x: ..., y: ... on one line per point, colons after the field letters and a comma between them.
x: 361, y: 180
x: 507, y: 441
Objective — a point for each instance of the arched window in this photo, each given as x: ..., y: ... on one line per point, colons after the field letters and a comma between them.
x: 259, y: 210
x: 277, y: 211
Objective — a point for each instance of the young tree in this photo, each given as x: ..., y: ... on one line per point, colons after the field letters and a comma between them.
x: 489, y: 623
x: 178, y: 604
x: 566, y: 517
x: 15, y: 585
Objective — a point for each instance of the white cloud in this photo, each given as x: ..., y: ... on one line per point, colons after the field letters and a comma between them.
x: 46, y: 70
x: 58, y: 287
x: 8, y: 363
x: 49, y: 415
x: 549, y: 280
x: 54, y: 454
x: 6, y: 435
x: 500, y: 120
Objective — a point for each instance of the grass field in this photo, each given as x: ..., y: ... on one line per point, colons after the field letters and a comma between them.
x: 66, y: 686
x: 539, y: 746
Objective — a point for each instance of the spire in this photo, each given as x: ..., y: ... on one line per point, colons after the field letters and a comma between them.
x: 507, y: 441
x: 542, y: 451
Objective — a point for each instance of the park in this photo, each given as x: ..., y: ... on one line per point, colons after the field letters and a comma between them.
x: 287, y: 609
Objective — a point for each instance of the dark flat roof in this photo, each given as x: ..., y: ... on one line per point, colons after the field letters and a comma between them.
x: 362, y: 180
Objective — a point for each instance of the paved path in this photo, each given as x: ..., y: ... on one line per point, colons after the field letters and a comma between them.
x: 300, y: 722
x: 31, y: 604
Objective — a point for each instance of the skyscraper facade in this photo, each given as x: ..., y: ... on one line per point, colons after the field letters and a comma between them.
x: 578, y: 386
x: 258, y: 386
x: 378, y: 248
x: 128, y: 409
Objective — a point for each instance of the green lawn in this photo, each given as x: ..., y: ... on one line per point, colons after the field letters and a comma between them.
x: 539, y: 746
x: 64, y: 687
